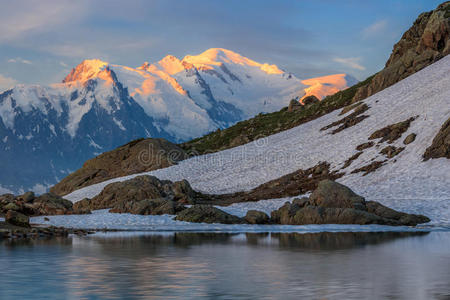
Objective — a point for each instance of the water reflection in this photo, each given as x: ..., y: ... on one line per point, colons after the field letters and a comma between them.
x: 413, y: 265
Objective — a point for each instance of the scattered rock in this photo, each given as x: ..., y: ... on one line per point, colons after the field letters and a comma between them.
x: 207, y: 214
x: 369, y: 168
x: 16, y: 218
x: 392, y: 132
x: 391, y: 151
x: 440, y: 147
x: 409, y: 139
x: 138, y: 156
x: 256, y: 217
x: 364, y: 146
x: 350, y: 120
x: 349, y: 161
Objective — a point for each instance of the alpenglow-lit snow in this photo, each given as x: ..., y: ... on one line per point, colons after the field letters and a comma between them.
x: 48, y: 131
x: 406, y: 181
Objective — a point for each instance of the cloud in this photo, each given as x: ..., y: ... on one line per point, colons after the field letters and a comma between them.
x: 21, y: 17
x: 63, y: 64
x: 20, y: 60
x: 351, y: 62
x: 6, y: 82
x: 375, y: 29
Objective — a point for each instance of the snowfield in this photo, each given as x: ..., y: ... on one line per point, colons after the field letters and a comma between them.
x: 405, y: 182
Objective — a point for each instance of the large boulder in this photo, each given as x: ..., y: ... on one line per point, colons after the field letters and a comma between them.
x: 17, y: 219
x: 256, y: 217
x: 123, y: 196
x: 207, y: 214
x: 330, y: 194
x: 333, y: 203
x: 138, y: 156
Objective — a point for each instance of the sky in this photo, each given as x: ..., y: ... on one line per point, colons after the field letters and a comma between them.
x: 41, y: 40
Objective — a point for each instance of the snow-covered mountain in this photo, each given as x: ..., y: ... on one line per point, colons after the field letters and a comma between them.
x: 380, y: 156
x: 48, y: 131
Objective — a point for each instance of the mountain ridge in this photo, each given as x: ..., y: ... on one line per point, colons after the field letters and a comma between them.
x: 46, y: 132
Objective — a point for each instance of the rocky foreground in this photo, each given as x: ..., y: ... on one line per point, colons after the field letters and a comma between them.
x: 330, y: 203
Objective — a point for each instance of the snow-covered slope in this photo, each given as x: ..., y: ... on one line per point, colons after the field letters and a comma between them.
x: 403, y: 180
x: 48, y: 131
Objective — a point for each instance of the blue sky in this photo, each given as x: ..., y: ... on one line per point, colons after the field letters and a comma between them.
x: 40, y: 40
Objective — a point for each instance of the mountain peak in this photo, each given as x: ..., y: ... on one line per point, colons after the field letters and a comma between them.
x: 171, y: 65
x: 88, y: 69
x: 218, y: 56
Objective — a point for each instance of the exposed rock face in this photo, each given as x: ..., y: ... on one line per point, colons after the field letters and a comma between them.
x: 126, y: 196
x: 424, y: 43
x: 256, y: 217
x: 333, y: 203
x: 135, y: 157
x: 440, y: 147
x: 46, y: 204
x: 15, y: 218
x: 207, y: 214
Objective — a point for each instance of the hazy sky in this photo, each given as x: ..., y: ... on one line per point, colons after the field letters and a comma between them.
x: 41, y: 40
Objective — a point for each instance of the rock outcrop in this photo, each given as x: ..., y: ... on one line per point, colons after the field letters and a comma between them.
x: 440, y: 147
x: 135, y: 157
x: 425, y: 42
x: 334, y: 203
x: 31, y: 205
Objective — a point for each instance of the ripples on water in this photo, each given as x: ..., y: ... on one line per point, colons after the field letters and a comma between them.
x: 396, y: 265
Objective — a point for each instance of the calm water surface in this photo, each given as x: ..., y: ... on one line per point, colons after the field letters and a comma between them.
x: 229, y: 266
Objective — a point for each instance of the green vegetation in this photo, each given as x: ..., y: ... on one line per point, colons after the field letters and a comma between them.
x: 267, y: 124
